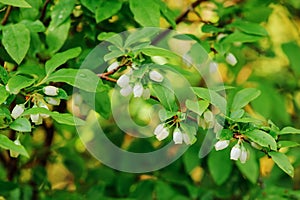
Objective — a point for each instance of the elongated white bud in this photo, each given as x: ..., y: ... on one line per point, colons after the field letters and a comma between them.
x: 17, y: 111
x: 244, y: 155
x: 53, y: 101
x: 161, y: 132
x: 113, y: 66
x: 146, y: 94
x: 231, y: 59
x: 177, y: 136
x: 50, y: 90
x: 235, y: 152
x: 138, y: 90
x: 123, y: 81
x: 126, y: 91
x: 14, y: 154
x: 156, y: 76
x: 222, y: 144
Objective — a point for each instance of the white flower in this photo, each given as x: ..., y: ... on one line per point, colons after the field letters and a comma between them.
x: 113, y: 66
x: 231, y: 59
x: 159, y: 60
x: 221, y: 36
x: 123, y: 81
x: 156, y: 76
x: 42, y: 105
x: 186, y: 138
x: 177, y: 136
x: 36, y: 119
x: 235, y: 152
x: 161, y: 132
x: 125, y: 91
x: 138, y: 90
x: 244, y: 155
x: 14, y: 154
x: 53, y: 101
x: 146, y: 93
x: 221, y: 144
x: 17, y: 111
x: 50, y: 90
x: 256, y: 146
x: 213, y: 67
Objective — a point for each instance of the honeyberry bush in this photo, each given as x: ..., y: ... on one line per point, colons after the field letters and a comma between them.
x: 247, y: 124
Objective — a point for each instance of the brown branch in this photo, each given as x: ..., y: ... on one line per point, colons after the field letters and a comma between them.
x: 6, y: 15
x: 107, y: 78
x: 44, y: 10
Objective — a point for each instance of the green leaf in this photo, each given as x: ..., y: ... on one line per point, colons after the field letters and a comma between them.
x: 157, y: 51
x: 237, y: 114
x: 16, y: 3
x: 289, y: 130
x: 167, y: 13
x: 164, y: 114
x: 282, y: 144
x: 197, y: 107
x: 34, y: 26
x: 16, y: 41
x: 106, y: 9
x: 56, y: 36
x: 262, y: 138
x: 6, y: 143
x: 105, y: 35
x: 3, y: 75
x: 166, y: 96
x: 21, y: 125
x: 5, y: 118
x: 238, y: 36
x: 249, y: 27
x: 18, y: 82
x: 61, y: 12
x: 213, y: 97
x: 62, y: 118
x: 209, y: 28
x: 61, y: 58
x: 113, y: 54
x: 144, y: 34
x: 283, y: 162
x: 250, y: 169
x: 4, y: 94
x: 81, y: 78
x: 292, y: 51
x: 220, y: 166
x: 145, y: 12
x: 243, y: 97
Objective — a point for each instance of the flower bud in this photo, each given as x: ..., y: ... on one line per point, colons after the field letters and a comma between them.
x: 221, y: 144
x: 17, y: 111
x: 146, y: 94
x: 42, y: 105
x: 126, y: 91
x: 161, y: 132
x: 50, y: 90
x: 156, y: 76
x: 186, y: 138
x: 123, y: 81
x: 244, y: 155
x: 14, y: 154
x: 138, y: 90
x: 53, y: 101
x: 231, y: 59
x: 36, y: 119
x: 177, y: 136
x: 235, y: 152
x: 113, y: 66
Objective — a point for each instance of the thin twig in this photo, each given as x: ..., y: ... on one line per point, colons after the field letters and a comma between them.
x: 43, y: 12
x: 7, y: 13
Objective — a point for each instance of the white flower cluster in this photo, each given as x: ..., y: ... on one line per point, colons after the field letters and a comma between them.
x: 162, y: 132
x: 130, y: 84
x: 238, y: 151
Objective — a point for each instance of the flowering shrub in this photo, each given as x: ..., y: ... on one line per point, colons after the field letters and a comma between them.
x: 186, y: 96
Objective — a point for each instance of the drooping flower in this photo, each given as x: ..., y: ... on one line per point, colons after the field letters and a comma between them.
x: 113, y: 66
x: 138, y: 90
x: 53, y: 101
x: 14, y: 154
x: 177, y: 136
x: 43, y: 105
x: 186, y: 138
x: 231, y: 59
x: 123, y: 81
x: 221, y: 144
x: 235, y: 152
x: 50, y: 90
x: 244, y: 155
x: 146, y: 93
x: 156, y: 76
x: 17, y: 111
x: 125, y: 91
x: 161, y: 132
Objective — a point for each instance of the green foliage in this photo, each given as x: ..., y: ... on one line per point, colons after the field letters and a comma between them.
x: 55, y: 82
